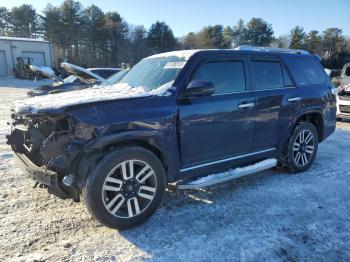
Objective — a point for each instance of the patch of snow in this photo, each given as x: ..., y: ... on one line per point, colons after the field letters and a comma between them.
x: 96, y: 93
x: 6, y: 154
x: 235, y: 171
x: 10, y: 38
x: 186, y: 54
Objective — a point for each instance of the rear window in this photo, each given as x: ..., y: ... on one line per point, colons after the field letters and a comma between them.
x: 267, y: 75
x: 306, y: 70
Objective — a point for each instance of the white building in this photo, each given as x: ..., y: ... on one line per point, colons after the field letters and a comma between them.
x: 38, y: 51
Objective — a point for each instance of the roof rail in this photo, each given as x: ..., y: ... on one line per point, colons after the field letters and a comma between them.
x: 270, y: 49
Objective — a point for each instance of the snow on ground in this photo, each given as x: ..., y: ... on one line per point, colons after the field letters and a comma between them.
x: 272, y: 215
x: 20, y: 83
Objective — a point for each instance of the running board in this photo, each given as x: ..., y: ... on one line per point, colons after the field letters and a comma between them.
x: 229, y: 175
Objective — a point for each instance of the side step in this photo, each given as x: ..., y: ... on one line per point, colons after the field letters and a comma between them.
x: 225, y: 176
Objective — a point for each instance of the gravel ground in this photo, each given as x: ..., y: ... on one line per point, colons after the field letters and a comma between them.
x: 271, y: 215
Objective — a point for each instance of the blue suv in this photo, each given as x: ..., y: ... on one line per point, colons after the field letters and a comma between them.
x: 175, y: 117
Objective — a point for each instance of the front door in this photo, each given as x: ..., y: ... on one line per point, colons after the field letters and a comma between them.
x: 219, y: 126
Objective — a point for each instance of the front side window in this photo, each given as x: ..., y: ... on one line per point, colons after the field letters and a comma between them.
x: 267, y: 75
x: 227, y: 76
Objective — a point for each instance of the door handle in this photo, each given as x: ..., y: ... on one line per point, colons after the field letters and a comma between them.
x: 246, y: 105
x: 294, y: 99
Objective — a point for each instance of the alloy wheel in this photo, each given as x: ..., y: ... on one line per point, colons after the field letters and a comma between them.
x: 303, y: 148
x: 129, y: 188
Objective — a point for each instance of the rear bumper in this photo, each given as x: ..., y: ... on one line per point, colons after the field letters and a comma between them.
x: 41, y: 175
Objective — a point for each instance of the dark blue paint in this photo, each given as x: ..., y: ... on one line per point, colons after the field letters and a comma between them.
x: 192, y: 131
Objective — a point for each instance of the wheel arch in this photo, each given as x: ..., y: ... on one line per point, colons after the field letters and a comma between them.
x: 313, y: 116
x: 150, y: 140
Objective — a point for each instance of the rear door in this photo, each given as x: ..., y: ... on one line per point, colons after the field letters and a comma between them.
x: 276, y: 100
x: 217, y: 127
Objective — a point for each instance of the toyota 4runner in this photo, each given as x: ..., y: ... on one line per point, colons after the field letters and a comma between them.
x: 175, y: 117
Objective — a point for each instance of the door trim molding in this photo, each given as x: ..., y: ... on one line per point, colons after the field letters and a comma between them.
x: 225, y: 160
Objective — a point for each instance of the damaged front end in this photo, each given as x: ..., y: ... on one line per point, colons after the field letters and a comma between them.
x: 47, y: 149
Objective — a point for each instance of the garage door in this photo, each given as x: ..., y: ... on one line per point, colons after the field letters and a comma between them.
x: 36, y: 58
x: 3, y: 64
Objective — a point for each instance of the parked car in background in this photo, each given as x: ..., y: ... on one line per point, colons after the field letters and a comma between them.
x: 335, y: 77
x: 343, y: 98
x: 175, y: 117
x: 113, y: 79
x: 80, y: 78
x: 345, y: 75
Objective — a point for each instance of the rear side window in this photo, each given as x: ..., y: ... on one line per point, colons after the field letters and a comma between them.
x: 227, y: 76
x: 306, y: 70
x: 267, y: 75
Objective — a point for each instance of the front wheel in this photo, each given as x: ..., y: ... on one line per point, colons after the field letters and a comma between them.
x: 125, y: 188
x: 302, y: 147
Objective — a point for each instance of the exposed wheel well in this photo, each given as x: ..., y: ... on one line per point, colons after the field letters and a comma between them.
x: 145, y: 144
x: 316, y: 119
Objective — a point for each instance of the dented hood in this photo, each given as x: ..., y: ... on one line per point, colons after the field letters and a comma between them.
x: 46, y: 71
x: 97, y: 93
x: 83, y: 74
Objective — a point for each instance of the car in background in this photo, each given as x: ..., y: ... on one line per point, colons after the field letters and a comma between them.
x: 80, y: 78
x: 335, y: 77
x: 343, y: 97
x: 113, y: 79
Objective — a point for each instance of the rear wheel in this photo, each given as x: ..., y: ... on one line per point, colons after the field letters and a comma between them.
x: 302, y: 146
x: 125, y: 188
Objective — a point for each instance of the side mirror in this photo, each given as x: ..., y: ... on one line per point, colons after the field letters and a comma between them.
x: 199, y: 88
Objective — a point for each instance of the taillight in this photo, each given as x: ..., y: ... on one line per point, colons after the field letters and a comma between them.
x: 341, y: 88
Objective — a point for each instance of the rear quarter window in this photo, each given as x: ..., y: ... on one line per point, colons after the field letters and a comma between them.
x: 306, y: 70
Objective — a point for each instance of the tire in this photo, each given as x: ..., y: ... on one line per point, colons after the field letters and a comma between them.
x: 301, y: 149
x: 123, y: 175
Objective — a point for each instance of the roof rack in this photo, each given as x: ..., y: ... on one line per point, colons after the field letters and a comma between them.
x: 270, y: 49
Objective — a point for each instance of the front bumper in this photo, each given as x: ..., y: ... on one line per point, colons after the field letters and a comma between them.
x: 38, y: 174
x: 41, y: 175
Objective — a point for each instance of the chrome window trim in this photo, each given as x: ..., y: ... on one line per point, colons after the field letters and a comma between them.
x: 225, y: 160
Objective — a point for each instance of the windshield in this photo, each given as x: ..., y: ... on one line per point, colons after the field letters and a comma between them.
x: 154, y: 72
x: 113, y: 79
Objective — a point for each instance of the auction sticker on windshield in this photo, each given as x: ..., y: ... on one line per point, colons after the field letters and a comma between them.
x: 179, y: 64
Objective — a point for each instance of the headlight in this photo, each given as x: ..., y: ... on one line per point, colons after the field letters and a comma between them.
x: 83, y: 131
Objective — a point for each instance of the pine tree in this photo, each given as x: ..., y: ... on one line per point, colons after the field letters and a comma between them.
x: 24, y: 20
x: 227, y: 37
x: 313, y: 42
x: 161, y: 38
x: 258, y: 32
x: 297, y: 38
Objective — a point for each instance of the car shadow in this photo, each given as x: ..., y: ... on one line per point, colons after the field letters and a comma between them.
x: 193, y: 213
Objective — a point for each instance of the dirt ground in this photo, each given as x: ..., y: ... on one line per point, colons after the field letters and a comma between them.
x: 271, y: 215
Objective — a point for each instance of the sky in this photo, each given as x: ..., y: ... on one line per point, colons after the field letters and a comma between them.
x: 185, y: 16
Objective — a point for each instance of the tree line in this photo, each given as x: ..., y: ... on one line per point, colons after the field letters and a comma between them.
x: 90, y: 37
